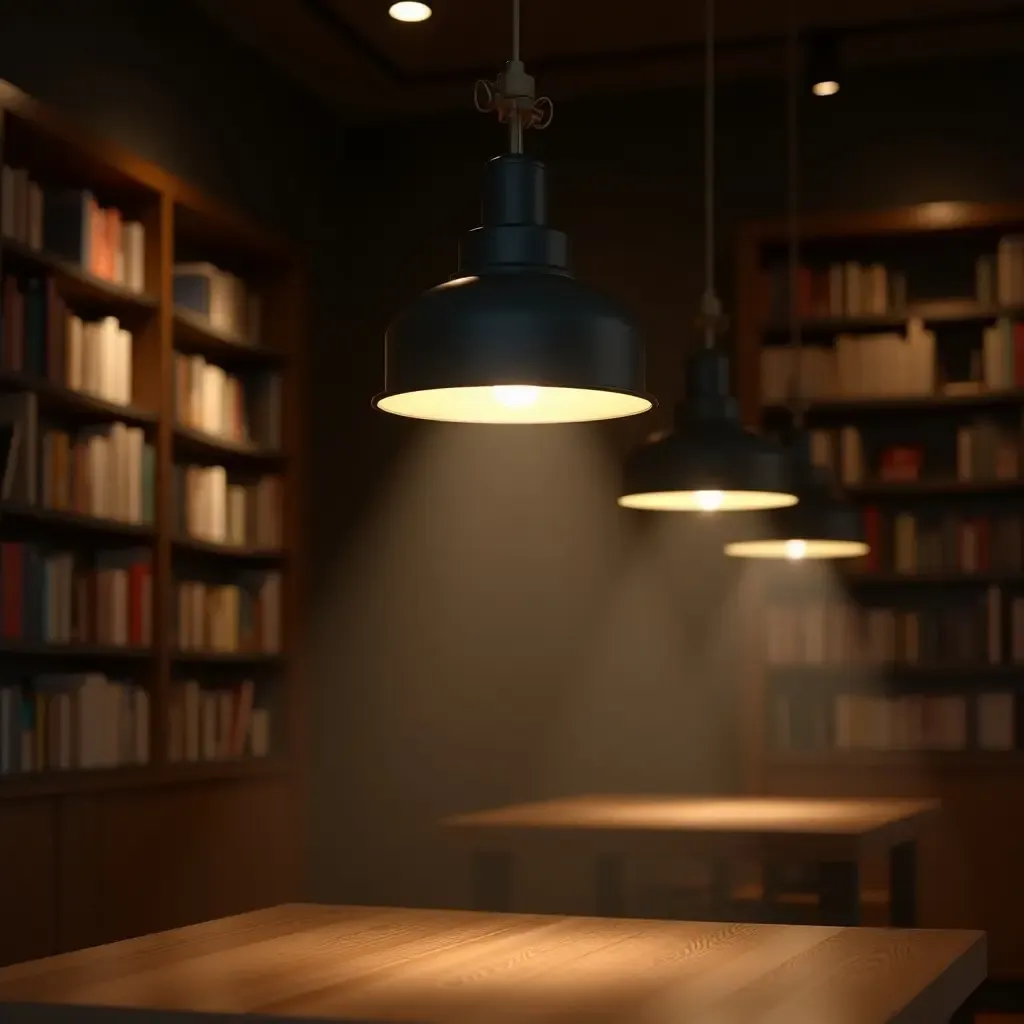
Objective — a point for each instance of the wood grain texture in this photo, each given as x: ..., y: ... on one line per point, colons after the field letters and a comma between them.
x: 727, y: 825
x: 363, y: 963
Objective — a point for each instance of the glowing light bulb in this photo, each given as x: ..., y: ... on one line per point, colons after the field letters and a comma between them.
x: 408, y: 10
x: 516, y: 396
x: 709, y: 501
x: 826, y: 88
x: 796, y: 549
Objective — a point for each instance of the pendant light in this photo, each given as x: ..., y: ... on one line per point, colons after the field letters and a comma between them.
x: 513, y: 338
x: 708, y: 461
x: 821, y: 525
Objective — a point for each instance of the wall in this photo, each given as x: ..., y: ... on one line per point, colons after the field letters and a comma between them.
x: 489, y: 628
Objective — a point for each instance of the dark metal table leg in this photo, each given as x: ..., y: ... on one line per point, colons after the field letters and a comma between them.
x: 492, y: 881
x: 903, y: 885
x: 609, y: 892
x: 721, y: 891
x: 839, y: 893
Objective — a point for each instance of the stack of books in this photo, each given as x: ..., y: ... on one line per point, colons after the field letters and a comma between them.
x: 220, y: 298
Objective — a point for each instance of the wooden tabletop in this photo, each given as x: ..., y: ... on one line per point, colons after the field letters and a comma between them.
x: 358, y: 963
x: 825, y: 827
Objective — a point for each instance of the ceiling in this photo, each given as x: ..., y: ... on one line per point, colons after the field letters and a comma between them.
x: 356, y: 58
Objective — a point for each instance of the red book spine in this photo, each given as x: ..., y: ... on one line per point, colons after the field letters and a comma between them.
x: 11, y: 558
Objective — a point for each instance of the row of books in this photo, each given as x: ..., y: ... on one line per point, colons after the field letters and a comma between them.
x: 220, y: 298
x: 58, y: 597
x: 967, y: 630
x: 209, y: 507
x: 56, y: 722
x: 41, y: 337
x: 106, y: 471
x: 999, y: 277
x: 983, y: 450
x: 71, y: 224
x: 841, y: 289
x: 912, y: 722
x: 208, y: 398
x: 229, y: 618
x: 856, y: 366
x: 913, y: 544
x: 218, y: 724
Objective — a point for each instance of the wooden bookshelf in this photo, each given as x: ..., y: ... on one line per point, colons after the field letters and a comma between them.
x: 968, y: 871
x: 87, y: 845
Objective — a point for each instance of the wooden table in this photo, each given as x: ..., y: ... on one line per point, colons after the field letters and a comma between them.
x: 358, y: 963
x: 834, y: 835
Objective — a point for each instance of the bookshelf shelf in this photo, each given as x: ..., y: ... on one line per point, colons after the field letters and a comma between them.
x: 190, y: 546
x: 87, y: 408
x: 193, y: 335
x: 933, y: 488
x: 935, y: 579
x: 906, y: 672
x: 243, y: 659
x: 854, y: 407
x: 74, y: 652
x: 77, y: 284
x: 38, y: 516
x: 924, y: 761
x: 206, y: 446
x: 934, y: 312
x: 55, y: 783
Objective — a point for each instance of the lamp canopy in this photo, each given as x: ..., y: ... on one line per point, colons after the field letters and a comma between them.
x: 513, y: 337
x: 709, y: 461
x: 820, y: 526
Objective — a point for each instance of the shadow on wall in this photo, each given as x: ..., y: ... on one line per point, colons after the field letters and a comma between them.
x: 501, y: 631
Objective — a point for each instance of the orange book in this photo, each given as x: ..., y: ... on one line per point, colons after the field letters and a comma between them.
x: 114, y: 254
x: 97, y: 237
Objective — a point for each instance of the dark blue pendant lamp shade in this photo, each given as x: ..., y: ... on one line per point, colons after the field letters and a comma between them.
x: 822, y: 525
x: 709, y: 462
x: 513, y: 337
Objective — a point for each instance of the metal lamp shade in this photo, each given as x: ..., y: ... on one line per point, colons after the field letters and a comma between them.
x: 821, y: 526
x: 513, y: 338
x: 709, y: 462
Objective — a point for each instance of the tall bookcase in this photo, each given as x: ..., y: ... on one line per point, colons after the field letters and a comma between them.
x: 186, y: 810
x: 901, y: 673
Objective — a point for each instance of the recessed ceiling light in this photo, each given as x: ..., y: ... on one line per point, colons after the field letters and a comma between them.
x: 410, y: 10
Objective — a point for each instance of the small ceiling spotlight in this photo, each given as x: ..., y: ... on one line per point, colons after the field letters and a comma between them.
x: 823, y: 63
x: 410, y: 11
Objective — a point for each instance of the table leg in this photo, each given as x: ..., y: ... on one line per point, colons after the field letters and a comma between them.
x: 492, y: 881
x: 839, y: 893
x: 721, y: 890
x: 771, y: 886
x: 903, y: 885
x: 609, y: 891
